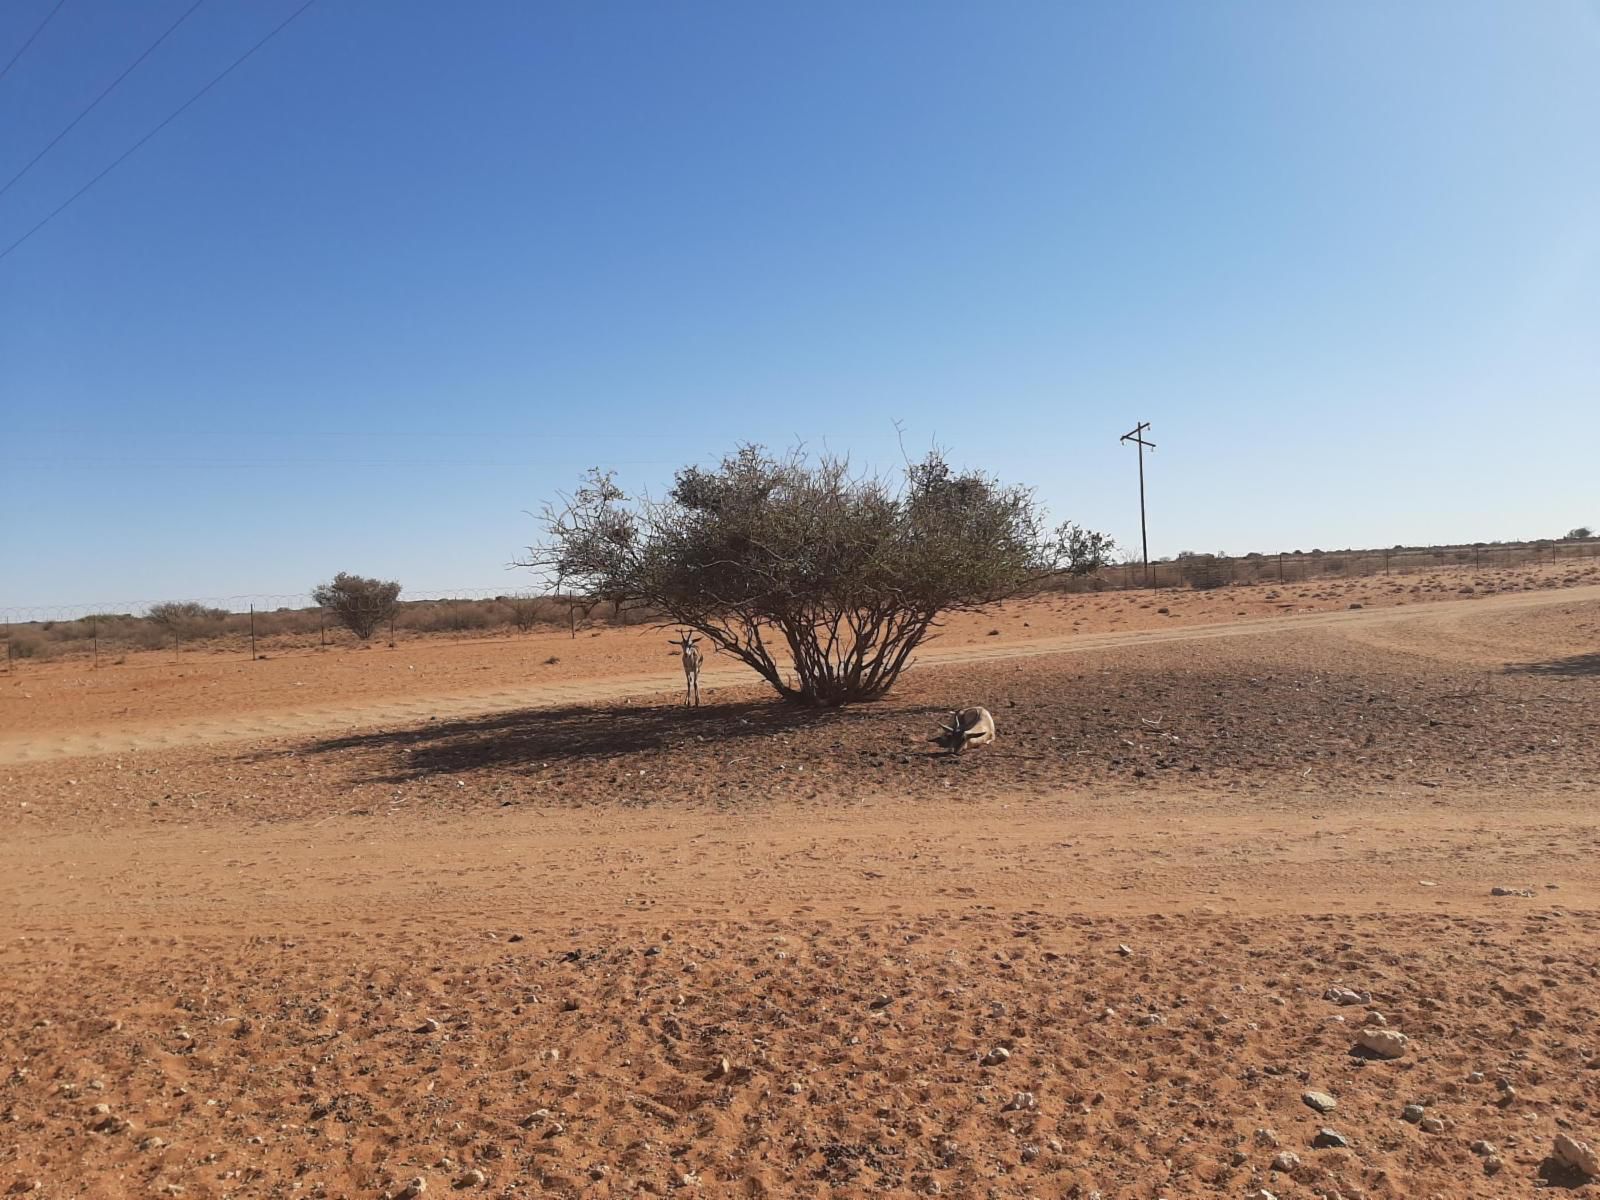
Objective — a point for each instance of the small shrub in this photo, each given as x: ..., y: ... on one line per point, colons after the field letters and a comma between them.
x: 358, y: 603
x: 187, y: 619
x: 25, y: 645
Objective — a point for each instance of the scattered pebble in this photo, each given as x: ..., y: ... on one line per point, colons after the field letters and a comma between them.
x: 1525, y: 893
x: 1320, y: 1101
x: 428, y: 1026
x: 416, y: 1187
x: 1124, y: 951
x: 1339, y: 995
x: 1413, y: 1113
x: 1385, y: 1043
x: 1267, y: 1139
x: 1432, y: 1124
x: 473, y: 1178
x: 1475, y: 1077
x: 1483, y: 1149
x: 1286, y: 1161
x: 882, y: 1001
x: 1021, y: 1102
x: 1330, y: 1139
x: 996, y: 1056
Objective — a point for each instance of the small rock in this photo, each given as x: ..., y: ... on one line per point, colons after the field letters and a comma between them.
x: 1261, y: 1194
x: 1021, y: 1102
x: 1339, y: 995
x: 1492, y: 1165
x: 473, y: 1178
x: 428, y: 1026
x: 1525, y: 893
x: 1266, y: 1139
x: 1150, y: 1019
x: 1124, y: 951
x: 882, y: 1001
x: 1029, y: 1153
x: 1238, y: 1158
x: 1432, y: 1124
x: 1482, y: 1148
x: 1579, y: 1155
x: 1330, y: 1139
x: 416, y: 1187
x: 1413, y: 1113
x: 1320, y: 1101
x: 1286, y: 1161
x: 1508, y: 1096
x: 1475, y: 1077
x: 152, y: 1143
x: 1385, y: 1043
x: 996, y: 1056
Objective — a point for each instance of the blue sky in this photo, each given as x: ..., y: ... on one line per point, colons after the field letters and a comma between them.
x: 412, y: 267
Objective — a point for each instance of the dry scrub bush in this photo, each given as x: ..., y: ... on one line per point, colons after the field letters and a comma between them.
x: 847, y: 574
x: 360, y: 604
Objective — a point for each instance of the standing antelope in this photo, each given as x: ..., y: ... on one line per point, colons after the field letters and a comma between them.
x: 691, y: 667
x: 968, y: 727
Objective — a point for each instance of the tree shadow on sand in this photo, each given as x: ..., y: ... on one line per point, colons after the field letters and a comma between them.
x: 578, y: 734
x: 1575, y: 667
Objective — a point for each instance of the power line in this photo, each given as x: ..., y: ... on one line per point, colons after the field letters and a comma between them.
x: 1136, y: 436
x: 49, y: 16
x: 173, y: 116
x: 96, y: 101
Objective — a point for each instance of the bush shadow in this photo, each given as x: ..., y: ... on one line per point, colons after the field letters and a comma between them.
x: 1574, y: 667
x: 587, y: 734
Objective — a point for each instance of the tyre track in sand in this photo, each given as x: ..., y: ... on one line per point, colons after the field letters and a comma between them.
x: 417, y: 709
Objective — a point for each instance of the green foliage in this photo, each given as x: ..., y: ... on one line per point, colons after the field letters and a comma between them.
x: 360, y: 604
x: 843, y: 574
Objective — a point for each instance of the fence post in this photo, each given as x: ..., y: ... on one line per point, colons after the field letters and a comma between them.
x: 94, y: 631
x: 572, y: 618
x: 391, y: 629
x: 322, y: 626
x: 252, y: 633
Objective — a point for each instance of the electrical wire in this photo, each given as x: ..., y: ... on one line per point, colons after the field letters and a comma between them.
x: 49, y: 16
x: 171, y: 117
x: 93, y: 104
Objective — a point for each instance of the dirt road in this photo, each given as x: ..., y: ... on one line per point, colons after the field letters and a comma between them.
x: 622, y: 951
x: 130, y: 736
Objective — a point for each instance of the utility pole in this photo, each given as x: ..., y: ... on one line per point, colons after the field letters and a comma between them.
x: 1136, y: 436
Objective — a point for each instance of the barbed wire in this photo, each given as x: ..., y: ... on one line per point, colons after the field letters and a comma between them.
x: 1239, y: 568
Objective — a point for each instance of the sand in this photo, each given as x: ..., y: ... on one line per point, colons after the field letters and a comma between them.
x: 607, y: 947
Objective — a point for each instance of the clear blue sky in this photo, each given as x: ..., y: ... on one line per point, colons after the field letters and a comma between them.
x: 413, y: 266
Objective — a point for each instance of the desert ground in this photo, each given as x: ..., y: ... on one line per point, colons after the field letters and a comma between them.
x: 323, y: 925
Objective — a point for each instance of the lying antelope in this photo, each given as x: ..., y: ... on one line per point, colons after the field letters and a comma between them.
x: 691, y: 667
x: 968, y: 727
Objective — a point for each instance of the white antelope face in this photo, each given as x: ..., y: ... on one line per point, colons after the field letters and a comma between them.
x: 691, y: 666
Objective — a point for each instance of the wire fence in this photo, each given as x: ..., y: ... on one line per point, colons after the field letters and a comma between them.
x: 258, y: 627
x: 264, y: 626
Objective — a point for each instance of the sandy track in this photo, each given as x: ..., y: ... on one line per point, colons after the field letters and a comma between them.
x: 510, y: 955
x: 121, y: 739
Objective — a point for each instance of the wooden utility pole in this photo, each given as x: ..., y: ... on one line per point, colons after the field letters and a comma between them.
x: 1136, y: 436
